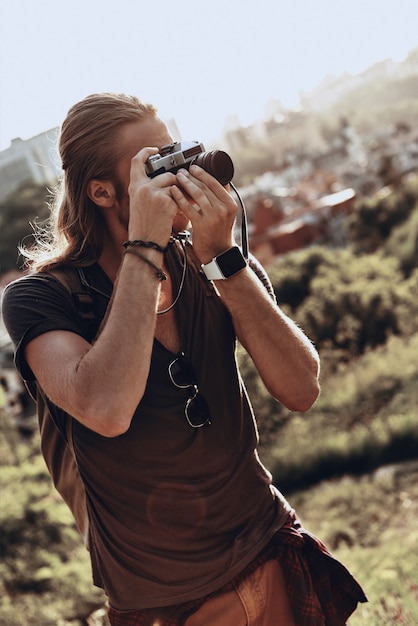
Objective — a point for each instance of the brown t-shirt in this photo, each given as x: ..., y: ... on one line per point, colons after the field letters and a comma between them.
x: 174, y: 512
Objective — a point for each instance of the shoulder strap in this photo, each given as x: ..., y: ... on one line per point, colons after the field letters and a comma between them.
x: 71, y: 278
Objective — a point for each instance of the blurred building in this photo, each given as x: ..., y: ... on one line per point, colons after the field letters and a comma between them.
x: 33, y: 160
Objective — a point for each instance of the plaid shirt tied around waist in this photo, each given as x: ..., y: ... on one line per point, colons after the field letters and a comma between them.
x: 321, y: 590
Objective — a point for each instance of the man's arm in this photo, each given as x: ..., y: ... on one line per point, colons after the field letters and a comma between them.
x: 285, y: 358
x: 101, y: 384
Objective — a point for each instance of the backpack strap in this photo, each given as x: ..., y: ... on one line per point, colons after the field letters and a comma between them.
x: 72, y: 279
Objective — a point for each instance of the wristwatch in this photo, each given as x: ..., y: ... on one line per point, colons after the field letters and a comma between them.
x: 225, y: 265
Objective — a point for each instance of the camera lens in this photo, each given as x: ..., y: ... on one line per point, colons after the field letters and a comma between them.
x: 217, y: 163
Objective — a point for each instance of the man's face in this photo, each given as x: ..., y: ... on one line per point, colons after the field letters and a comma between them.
x: 133, y: 137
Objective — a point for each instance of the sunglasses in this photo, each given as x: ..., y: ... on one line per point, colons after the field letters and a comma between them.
x: 182, y: 376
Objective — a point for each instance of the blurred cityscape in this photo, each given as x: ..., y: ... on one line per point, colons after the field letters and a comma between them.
x: 298, y: 171
x: 351, y: 137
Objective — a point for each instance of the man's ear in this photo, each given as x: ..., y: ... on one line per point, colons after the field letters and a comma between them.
x: 101, y: 192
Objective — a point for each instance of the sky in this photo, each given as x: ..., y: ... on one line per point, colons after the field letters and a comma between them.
x: 198, y: 62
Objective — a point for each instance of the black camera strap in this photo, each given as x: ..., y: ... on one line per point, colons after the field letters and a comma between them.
x: 244, y: 226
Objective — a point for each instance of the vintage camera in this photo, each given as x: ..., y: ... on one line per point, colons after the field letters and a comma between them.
x: 183, y: 154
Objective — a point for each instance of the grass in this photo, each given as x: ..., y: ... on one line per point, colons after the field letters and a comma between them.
x: 370, y: 524
x: 44, y: 569
x: 365, y: 417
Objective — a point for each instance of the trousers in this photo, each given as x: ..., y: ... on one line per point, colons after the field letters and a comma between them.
x: 260, y: 599
x: 295, y: 572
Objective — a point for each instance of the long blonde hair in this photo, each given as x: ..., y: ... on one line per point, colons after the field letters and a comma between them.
x: 89, y: 149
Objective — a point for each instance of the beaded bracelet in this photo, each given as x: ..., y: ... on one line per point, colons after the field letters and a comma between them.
x: 161, y: 275
x: 144, y: 244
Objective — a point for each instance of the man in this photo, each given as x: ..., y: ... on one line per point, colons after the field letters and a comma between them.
x: 185, y: 526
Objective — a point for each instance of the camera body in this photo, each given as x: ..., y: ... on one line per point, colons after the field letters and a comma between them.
x: 173, y: 156
x: 183, y: 154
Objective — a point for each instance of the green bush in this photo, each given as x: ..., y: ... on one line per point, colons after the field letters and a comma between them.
x: 403, y: 244
x: 346, y: 302
x: 375, y: 217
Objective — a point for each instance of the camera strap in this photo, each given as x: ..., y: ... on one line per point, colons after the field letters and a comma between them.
x: 244, y: 226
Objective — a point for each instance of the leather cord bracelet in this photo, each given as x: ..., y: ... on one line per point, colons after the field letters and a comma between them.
x: 161, y: 275
x: 144, y: 244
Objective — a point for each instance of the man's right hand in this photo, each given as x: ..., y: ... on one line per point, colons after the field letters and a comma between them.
x: 151, y: 205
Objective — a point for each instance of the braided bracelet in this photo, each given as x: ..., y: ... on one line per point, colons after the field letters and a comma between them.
x: 144, y: 244
x: 158, y: 271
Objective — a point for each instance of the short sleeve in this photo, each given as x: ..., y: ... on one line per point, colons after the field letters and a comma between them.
x: 34, y: 305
